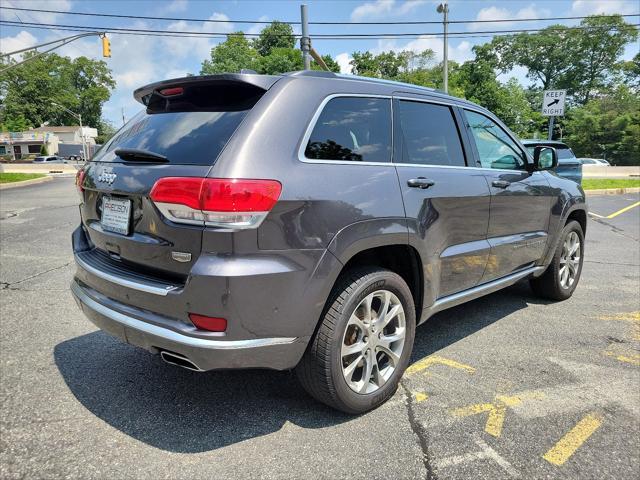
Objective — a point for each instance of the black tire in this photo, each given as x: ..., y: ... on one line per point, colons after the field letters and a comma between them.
x: 320, y: 370
x: 548, y: 285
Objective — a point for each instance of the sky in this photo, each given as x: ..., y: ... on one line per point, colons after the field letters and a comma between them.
x: 138, y: 60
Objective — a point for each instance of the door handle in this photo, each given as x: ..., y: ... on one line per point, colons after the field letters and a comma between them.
x: 500, y: 183
x: 420, y: 182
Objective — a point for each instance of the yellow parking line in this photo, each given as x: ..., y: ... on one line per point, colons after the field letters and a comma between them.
x: 567, y: 445
x: 435, y: 360
x: 622, y: 210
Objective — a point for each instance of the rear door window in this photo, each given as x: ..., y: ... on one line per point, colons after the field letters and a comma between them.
x: 194, y: 138
x: 356, y: 129
x: 429, y: 134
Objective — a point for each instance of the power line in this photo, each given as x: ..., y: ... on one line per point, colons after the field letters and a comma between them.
x: 332, y: 36
x: 265, y: 22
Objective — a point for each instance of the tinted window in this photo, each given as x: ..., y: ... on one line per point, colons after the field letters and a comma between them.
x: 183, y: 137
x: 565, y: 153
x: 429, y: 134
x: 495, y: 147
x: 354, y: 129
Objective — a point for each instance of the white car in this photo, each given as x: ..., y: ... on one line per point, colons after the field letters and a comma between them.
x: 49, y: 159
x: 597, y: 162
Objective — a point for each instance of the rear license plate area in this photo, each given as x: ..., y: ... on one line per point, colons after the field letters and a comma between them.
x: 116, y: 214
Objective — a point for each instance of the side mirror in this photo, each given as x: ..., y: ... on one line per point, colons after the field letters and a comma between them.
x: 545, y: 158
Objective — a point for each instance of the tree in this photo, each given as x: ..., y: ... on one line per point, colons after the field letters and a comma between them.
x: 15, y: 124
x: 276, y: 35
x: 231, y: 56
x: 106, y: 130
x: 608, y: 124
x: 280, y: 60
x: 390, y: 65
x: 43, y: 150
x: 329, y: 61
x: 30, y: 90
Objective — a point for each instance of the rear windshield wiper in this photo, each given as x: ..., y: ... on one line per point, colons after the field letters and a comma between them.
x: 137, y: 155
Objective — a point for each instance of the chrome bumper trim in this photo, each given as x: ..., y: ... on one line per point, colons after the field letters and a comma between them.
x: 171, y: 335
x: 143, y: 287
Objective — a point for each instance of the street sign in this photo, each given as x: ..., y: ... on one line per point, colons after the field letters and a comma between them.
x: 553, y: 103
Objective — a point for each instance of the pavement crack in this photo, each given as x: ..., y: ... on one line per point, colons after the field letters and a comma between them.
x: 10, y: 286
x: 420, y: 432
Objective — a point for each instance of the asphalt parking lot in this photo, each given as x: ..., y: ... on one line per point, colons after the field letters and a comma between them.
x: 505, y: 386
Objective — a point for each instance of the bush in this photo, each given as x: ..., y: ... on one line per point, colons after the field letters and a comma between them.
x: 43, y: 150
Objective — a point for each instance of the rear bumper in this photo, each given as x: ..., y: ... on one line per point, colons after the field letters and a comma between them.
x: 155, y: 334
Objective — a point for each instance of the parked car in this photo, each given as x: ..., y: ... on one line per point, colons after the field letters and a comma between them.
x: 49, y: 159
x: 598, y: 162
x: 568, y: 165
x: 310, y: 221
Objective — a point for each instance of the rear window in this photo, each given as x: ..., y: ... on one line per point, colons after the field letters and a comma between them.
x: 194, y: 138
x: 356, y: 129
x: 565, y: 153
x: 39, y: 159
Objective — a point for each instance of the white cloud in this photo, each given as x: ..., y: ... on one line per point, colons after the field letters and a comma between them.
x: 257, y: 27
x: 19, y: 41
x: 623, y: 7
x: 176, y: 6
x: 380, y: 8
x: 197, y: 45
x: 343, y: 60
x: 499, y: 13
x: 34, y: 17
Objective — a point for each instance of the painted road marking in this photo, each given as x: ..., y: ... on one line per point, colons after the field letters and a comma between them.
x: 631, y: 317
x: 632, y: 358
x: 420, y: 396
x: 485, y: 453
x: 496, y: 410
x: 427, y: 362
x: 567, y: 445
x: 619, y: 212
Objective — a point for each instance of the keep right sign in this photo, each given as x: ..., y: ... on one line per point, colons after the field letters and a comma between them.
x: 553, y: 103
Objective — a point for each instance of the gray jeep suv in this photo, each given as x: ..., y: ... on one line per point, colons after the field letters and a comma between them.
x: 311, y: 221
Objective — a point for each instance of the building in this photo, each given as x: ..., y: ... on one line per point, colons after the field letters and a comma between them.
x: 24, y: 145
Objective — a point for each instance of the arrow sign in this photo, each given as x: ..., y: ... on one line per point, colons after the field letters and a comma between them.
x: 553, y: 103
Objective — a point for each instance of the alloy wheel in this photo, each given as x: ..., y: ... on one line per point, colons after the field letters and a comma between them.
x: 570, y: 260
x: 373, y: 342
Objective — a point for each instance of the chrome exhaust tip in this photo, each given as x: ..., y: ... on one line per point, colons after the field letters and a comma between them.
x: 179, y: 360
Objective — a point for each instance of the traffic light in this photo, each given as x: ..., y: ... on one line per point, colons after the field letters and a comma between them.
x: 106, y: 47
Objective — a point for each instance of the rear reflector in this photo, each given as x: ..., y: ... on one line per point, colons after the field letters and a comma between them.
x: 213, y: 324
x: 219, y: 202
x: 79, y: 181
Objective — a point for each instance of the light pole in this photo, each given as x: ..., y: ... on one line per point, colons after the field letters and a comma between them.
x: 444, y: 9
x: 79, y: 117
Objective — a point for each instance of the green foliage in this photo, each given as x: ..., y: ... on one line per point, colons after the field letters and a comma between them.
x: 607, y: 125
x: 30, y: 90
x: 280, y: 60
x: 231, y: 56
x: 43, y: 150
x: 17, y: 123
x: 276, y: 35
x: 329, y: 61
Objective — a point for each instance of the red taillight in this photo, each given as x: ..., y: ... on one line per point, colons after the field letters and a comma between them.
x: 213, y: 324
x: 169, y: 92
x: 235, y: 195
x: 79, y: 181
x: 232, y: 203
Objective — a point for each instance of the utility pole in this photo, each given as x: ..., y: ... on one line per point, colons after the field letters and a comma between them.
x: 444, y: 9
x: 551, y: 120
x: 305, y: 41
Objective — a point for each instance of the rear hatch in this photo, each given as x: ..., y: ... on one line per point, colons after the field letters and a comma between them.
x: 186, y: 125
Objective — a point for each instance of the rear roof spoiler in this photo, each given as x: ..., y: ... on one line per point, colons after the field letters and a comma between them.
x: 263, y: 82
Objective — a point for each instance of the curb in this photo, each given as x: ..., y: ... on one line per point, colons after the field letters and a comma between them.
x: 612, y: 191
x: 24, y: 183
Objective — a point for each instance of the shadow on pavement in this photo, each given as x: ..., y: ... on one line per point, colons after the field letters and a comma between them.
x: 189, y: 412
